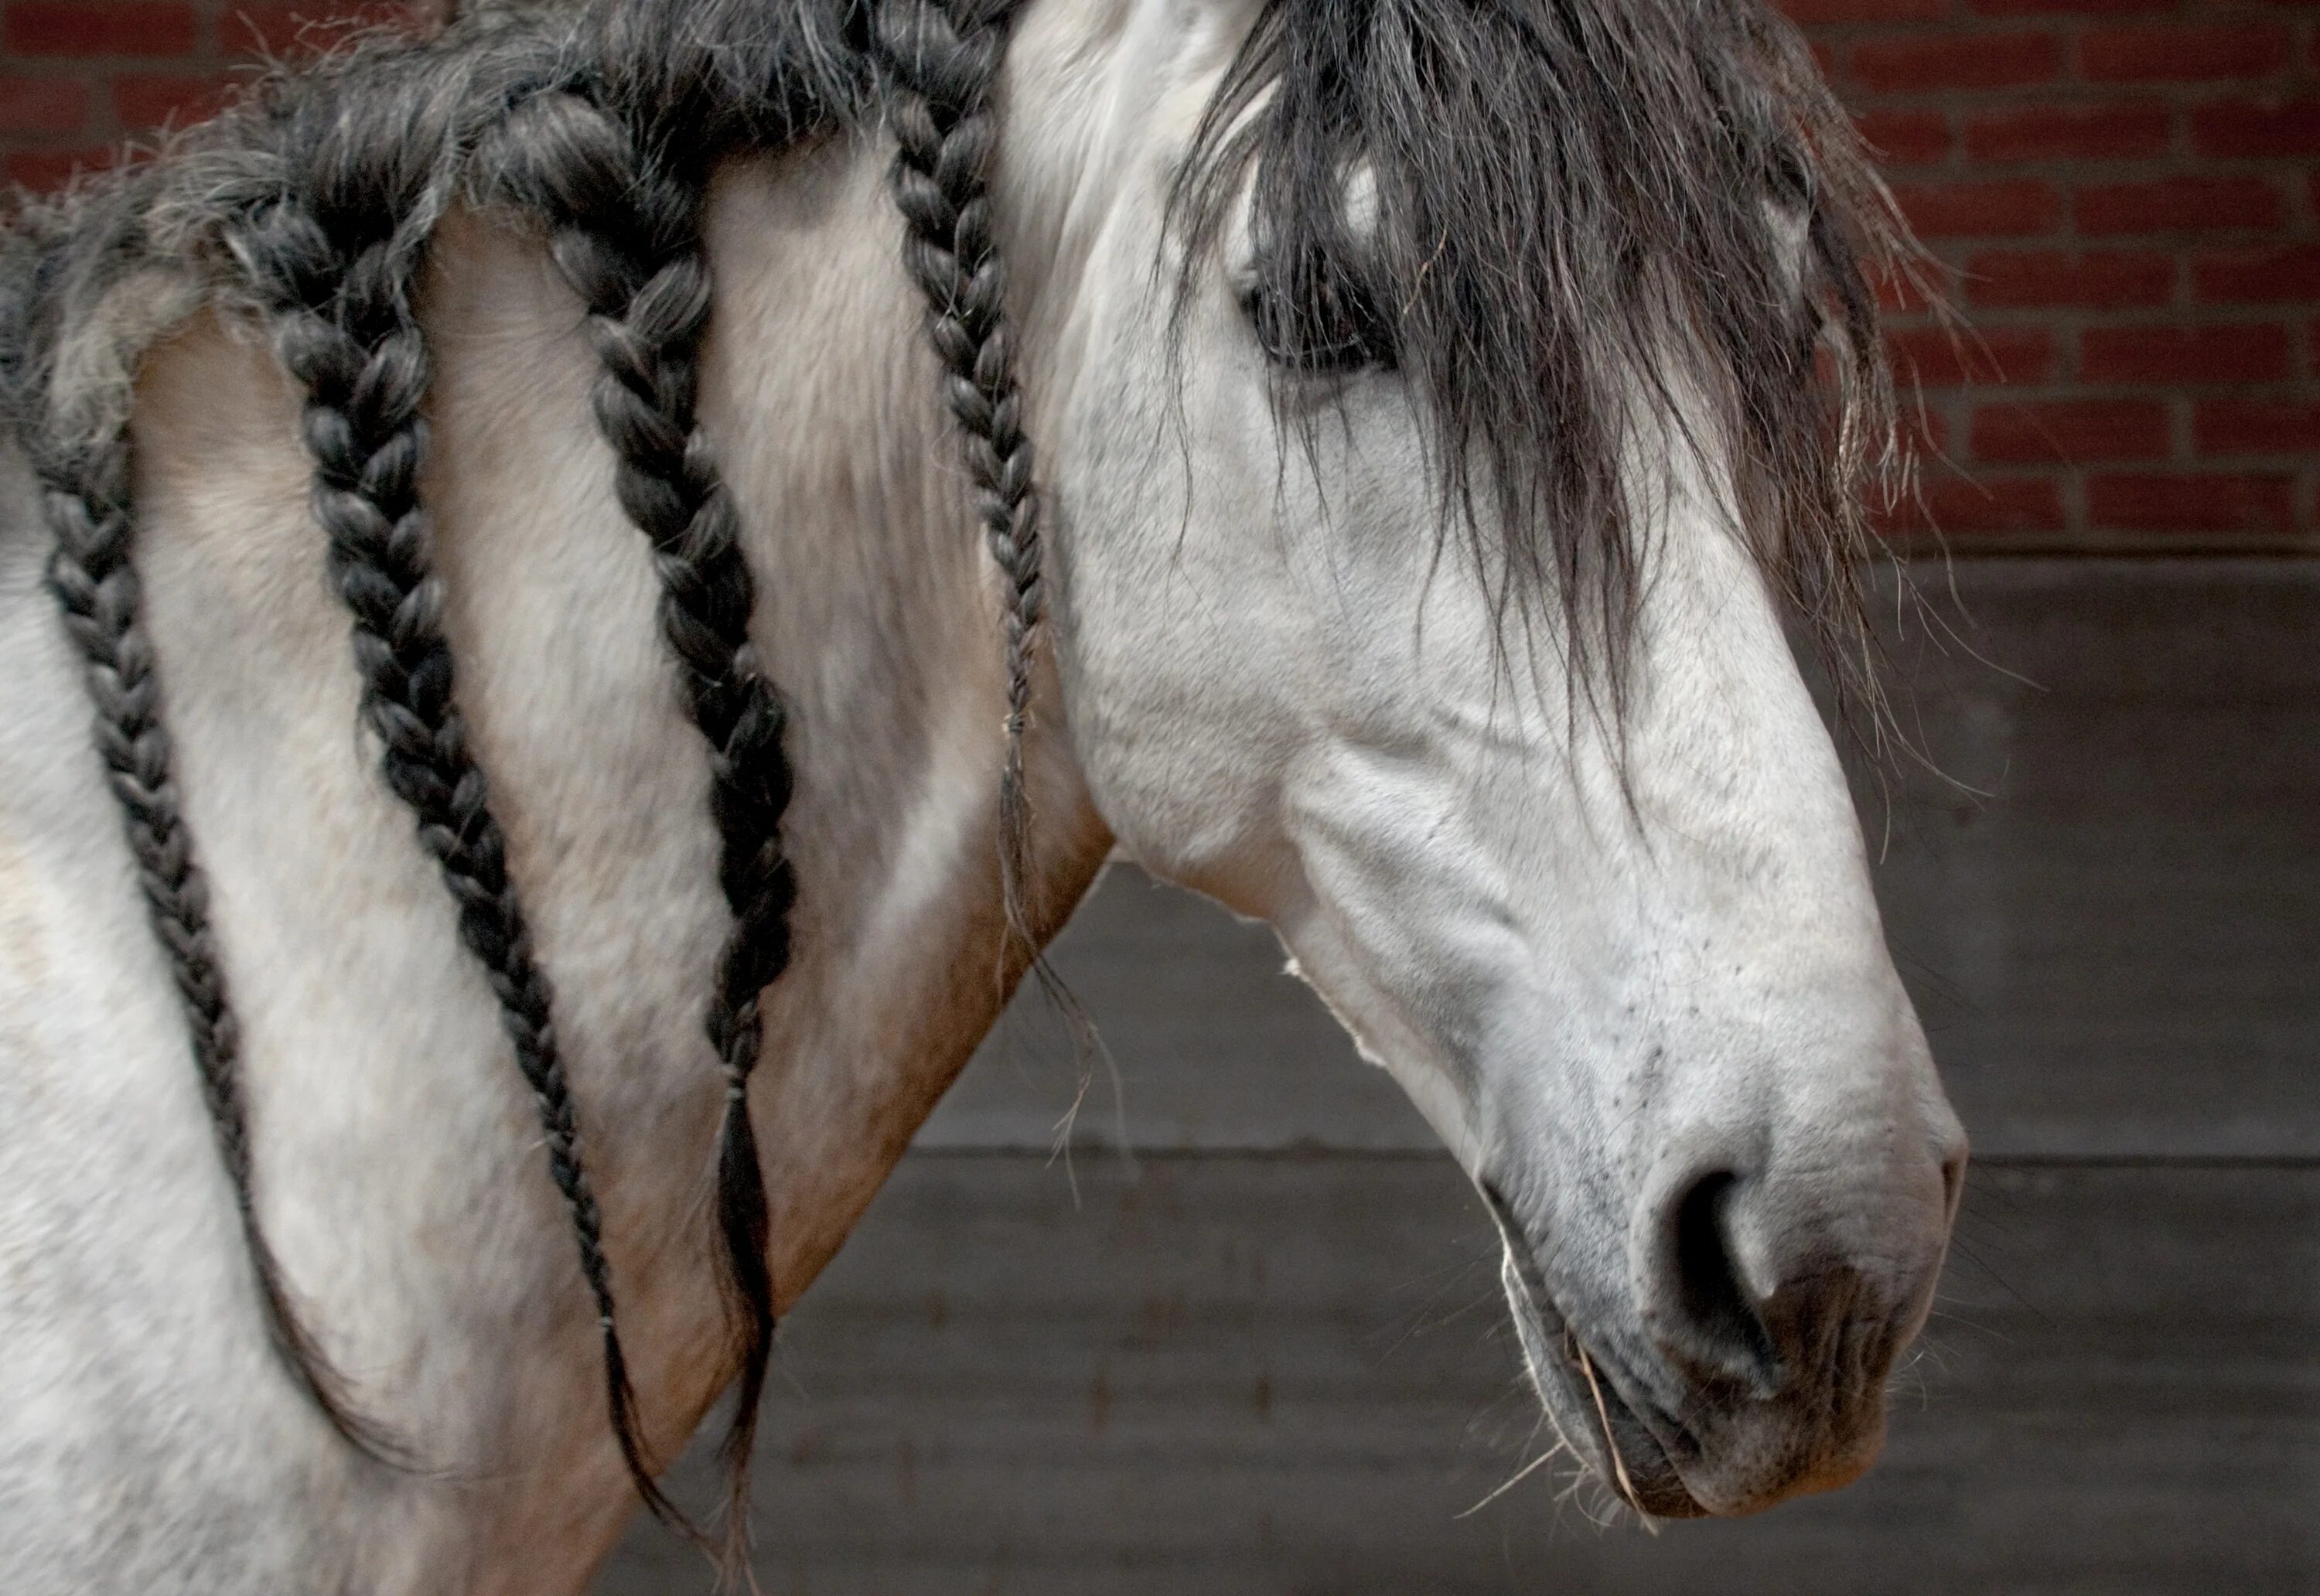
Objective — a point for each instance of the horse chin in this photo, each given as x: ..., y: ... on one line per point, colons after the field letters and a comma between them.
x: 1637, y: 1450
x: 1632, y: 1455
x: 1643, y: 1471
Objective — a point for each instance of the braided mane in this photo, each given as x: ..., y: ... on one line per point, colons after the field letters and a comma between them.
x: 88, y: 506
x: 345, y: 332
x: 312, y: 204
x: 627, y: 237
x: 944, y: 60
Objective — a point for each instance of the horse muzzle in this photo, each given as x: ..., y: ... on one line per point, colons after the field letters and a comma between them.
x: 1748, y: 1362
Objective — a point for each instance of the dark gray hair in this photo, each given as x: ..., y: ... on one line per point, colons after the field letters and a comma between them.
x: 1582, y: 219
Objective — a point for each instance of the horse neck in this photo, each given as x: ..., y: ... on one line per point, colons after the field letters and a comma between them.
x: 880, y: 617
x: 402, y: 1175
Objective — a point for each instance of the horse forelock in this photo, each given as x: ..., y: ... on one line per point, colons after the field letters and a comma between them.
x: 1583, y: 229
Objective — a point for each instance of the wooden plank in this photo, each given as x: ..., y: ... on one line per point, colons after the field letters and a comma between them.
x: 1209, y: 1044
x: 2115, y: 953
x: 1230, y: 1375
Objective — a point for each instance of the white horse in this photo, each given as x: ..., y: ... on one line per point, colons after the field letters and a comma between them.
x: 1312, y: 304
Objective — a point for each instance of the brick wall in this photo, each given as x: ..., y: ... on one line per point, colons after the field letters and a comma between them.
x: 79, y: 77
x: 2128, y: 190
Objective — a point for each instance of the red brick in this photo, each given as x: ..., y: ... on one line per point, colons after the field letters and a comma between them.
x: 2236, y: 426
x: 99, y: 28
x: 1904, y: 294
x: 53, y: 169
x: 1907, y: 138
x: 2257, y: 276
x: 2066, y: 7
x: 2182, y: 55
x: 1909, y: 66
x: 290, y: 27
x: 1814, y: 13
x: 1999, y: 209
x: 2190, y: 502
x: 2097, y: 279
x: 1931, y: 357
x: 1985, y: 505
x: 2240, y: 128
x: 2180, y: 204
x: 149, y: 100
x: 44, y: 105
x: 2217, y: 354
x: 2111, y: 131
x: 2071, y: 429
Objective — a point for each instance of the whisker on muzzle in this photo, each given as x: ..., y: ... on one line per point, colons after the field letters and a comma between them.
x: 1518, y: 1477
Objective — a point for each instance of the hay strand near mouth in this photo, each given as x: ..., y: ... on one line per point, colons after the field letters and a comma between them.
x: 1610, y: 1440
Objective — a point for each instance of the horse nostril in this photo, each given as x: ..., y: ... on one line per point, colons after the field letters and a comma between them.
x: 1714, y: 1319
x: 1953, y: 1164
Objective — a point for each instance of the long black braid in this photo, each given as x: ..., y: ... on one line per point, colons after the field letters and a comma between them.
x: 91, y: 573
x: 345, y: 331
x: 626, y: 234
x: 943, y: 58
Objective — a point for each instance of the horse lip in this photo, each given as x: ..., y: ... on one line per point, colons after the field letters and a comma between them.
x: 1594, y: 1416
x: 1647, y: 1440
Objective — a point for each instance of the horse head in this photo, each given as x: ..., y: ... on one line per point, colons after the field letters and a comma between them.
x: 1442, y: 402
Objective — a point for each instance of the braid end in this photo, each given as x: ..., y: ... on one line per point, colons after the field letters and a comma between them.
x: 621, y: 1402
x: 625, y: 232
x: 313, y: 1371
x: 92, y: 575
x: 746, y: 1231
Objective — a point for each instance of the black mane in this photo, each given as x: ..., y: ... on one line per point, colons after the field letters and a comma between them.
x: 1593, y: 218
x: 310, y: 207
x: 384, y: 123
x: 1572, y: 193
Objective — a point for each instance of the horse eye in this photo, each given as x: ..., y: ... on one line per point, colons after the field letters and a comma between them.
x: 1326, y: 327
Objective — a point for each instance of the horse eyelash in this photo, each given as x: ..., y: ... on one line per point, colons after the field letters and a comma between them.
x: 1327, y: 327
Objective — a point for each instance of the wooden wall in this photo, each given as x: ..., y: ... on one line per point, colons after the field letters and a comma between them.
x: 1265, y: 1353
